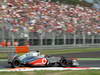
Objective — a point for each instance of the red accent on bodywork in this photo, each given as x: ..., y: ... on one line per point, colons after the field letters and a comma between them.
x: 39, y: 62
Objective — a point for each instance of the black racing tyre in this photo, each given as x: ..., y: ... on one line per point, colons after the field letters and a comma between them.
x: 15, y: 63
x: 63, y: 62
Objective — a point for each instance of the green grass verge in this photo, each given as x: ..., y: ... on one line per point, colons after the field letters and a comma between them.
x: 89, y: 59
x: 5, y: 55
x: 70, y: 51
x: 85, y: 72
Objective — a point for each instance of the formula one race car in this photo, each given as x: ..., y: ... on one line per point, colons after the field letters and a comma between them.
x: 34, y: 58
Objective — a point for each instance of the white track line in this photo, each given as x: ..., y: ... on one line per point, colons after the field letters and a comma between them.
x: 50, y: 68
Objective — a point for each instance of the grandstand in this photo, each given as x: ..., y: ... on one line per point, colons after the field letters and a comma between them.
x: 37, y: 23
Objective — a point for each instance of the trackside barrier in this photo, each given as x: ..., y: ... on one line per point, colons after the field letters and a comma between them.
x: 50, y: 47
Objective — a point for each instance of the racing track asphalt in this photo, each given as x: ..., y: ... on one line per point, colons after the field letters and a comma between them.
x: 95, y: 54
x: 83, y: 63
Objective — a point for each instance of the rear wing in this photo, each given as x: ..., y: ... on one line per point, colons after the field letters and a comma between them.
x: 22, y: 49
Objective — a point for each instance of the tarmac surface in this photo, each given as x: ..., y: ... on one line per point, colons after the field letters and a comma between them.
x: 81, y: 55
x: 83, y: 63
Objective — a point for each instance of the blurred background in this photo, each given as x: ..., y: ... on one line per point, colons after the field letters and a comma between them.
x: 49, y: 22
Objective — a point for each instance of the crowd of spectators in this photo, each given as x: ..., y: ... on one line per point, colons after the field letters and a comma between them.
x: 5, y: 43
x: 41, y: 16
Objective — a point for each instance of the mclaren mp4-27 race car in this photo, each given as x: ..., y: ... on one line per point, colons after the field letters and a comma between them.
x: 34, y: 58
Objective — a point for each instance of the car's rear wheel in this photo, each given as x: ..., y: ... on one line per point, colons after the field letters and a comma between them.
x: 16, y: 63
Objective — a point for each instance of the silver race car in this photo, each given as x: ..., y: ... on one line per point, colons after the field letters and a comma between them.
x: 34, y: 58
